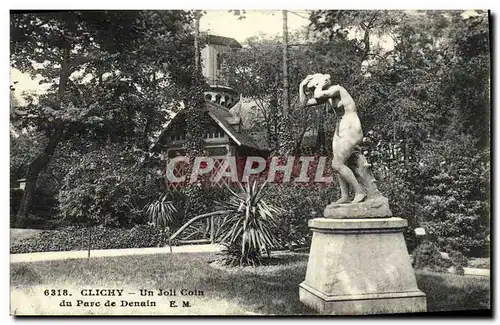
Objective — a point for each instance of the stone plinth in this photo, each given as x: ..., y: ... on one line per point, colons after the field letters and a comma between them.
x: 360, y: 267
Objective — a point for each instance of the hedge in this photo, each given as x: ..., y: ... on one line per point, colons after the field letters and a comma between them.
x: 76, y: 238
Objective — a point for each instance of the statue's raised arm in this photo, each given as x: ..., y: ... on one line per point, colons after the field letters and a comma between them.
x: 322, y: 91
x: 319, y: 84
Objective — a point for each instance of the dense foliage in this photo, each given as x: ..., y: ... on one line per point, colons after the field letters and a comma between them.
x: 107, y: 187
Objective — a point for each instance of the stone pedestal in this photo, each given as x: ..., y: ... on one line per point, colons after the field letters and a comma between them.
x: 360, y: 267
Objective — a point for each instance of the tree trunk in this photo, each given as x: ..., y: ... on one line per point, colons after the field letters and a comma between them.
x: 90, y: 242
x: 286, y: 98
x: 366, y: 41
x: 197, y: 40
x: 286, y: 144
x: 34, y: 170
x: 43, y: 159
x: 298, y: 143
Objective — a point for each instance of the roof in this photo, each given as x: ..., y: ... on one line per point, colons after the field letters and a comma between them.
x: 221, y: 40
x: 220, y: 116
x: 240, y: 138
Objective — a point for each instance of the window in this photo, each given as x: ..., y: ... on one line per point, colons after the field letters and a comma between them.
x: 218, y: 61
x: 214, y: 133
x: 177, y: 137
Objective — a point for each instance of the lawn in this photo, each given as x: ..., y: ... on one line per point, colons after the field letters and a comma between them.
x: 270, y: 290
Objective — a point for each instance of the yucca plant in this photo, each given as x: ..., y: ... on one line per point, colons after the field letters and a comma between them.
x: 247, y: 229
x: 161, y: 212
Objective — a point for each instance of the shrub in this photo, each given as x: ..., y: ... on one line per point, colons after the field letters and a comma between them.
x: 161, y: 212
x: 455, y: 208
x: 428, y: 257
x: 107, y: 186
x: 246, y: 228
x: 298, y: 205
x: 459, y: 260
x: 233, y: 255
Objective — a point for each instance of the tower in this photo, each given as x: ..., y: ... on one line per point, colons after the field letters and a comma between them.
x: 220, y: 92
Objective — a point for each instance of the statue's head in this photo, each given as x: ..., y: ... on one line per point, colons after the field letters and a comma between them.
x: 319, y: 79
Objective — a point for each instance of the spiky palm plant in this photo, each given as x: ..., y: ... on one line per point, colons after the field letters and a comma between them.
x: 161, y: 212
x: 247, y: 229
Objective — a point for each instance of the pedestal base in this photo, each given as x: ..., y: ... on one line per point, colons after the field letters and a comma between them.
x: 374, y: 207
x: 360, y: 267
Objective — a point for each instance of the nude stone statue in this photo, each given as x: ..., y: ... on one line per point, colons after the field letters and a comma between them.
x: 348, y: 162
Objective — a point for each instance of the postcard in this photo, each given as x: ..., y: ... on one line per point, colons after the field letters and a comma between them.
x: 250, y: 162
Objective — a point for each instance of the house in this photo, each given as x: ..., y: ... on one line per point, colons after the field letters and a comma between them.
x: 224, y: 136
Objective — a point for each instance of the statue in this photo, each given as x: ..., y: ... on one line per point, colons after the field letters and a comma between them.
x: 350, y: 165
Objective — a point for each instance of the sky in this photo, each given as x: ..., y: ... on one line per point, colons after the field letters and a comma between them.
x: 223, y: 23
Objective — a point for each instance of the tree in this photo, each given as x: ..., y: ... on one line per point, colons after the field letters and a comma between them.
x: 337, y: 23
x: 253, y: 72
x: 468, y: 81
x: 422, y: 91
x: 105, y: 68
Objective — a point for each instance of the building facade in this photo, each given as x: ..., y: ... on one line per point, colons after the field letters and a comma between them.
x: 224, y: 136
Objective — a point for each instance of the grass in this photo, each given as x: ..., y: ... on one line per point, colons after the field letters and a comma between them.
x: 270, y: 290
x: 454, y: 292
